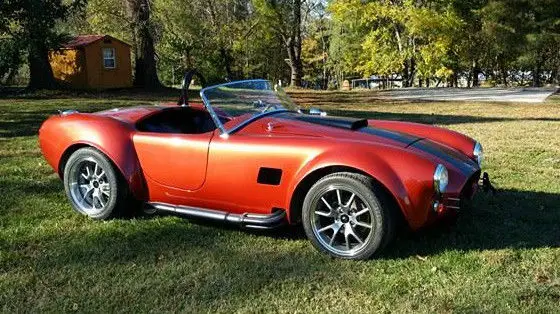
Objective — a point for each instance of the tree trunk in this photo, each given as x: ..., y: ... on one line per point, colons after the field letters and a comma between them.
x: 475, y: 72
x: 40, y: 71
x: 294, y: 46
x: 296, y: 66
x: 409, y: 72
x: 145, y: 71
x: 226, y: 59
x: 552, y: 77
x: 503, y: 74
x: 537, y: 76
x: 455, y: 78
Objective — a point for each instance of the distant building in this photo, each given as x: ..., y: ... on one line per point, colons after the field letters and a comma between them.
x: 93, y: 62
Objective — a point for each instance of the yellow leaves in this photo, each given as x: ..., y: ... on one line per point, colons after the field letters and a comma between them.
x: 391, y: 32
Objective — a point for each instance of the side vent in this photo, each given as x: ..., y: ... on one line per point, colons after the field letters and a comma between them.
x: 270, y: 176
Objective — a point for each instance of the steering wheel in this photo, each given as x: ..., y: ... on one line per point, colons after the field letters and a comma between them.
x: 187, y: 78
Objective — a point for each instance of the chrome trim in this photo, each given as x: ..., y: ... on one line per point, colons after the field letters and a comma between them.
x: 454, y: 199
x: 435, y: 206
x: 478, y: 152
x: 223, y: 132
x: 67, y: 112
x: 317, y: 112
x: 206, y: 102
x: 247, y: 220
x: 452, y: 207
x: 248, y: 121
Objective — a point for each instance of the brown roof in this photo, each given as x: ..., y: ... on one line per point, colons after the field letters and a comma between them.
x: 84, y: 40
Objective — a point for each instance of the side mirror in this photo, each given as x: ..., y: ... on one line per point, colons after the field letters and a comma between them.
x: 317, y: 112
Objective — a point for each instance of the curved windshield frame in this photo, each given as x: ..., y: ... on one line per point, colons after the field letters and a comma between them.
x: 250, y: 99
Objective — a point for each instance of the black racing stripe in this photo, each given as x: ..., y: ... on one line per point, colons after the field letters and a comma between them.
x: 458, y: 160
x: 400, y: 137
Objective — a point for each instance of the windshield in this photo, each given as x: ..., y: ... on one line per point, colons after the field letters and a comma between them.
x: 248, y: 98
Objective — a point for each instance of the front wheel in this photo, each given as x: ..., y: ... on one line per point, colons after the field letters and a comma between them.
x: 94, y: 185
x: 346, y: 216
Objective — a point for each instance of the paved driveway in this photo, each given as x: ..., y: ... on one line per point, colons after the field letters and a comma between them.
x: 530, y: 95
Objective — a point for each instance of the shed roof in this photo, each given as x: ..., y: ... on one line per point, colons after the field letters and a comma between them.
x: 84, y: 40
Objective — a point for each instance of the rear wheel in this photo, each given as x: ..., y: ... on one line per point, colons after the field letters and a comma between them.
x: 94, y: 185
x: 346, y: 216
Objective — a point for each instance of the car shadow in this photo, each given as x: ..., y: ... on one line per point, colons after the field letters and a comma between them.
x: 510, y: 219
x: 507, y: 219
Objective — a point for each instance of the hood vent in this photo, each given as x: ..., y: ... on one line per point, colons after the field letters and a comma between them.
x: 337, y: 122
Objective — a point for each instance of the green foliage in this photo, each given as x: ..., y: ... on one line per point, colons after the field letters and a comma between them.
x: 223, y: 39
x: 11, y: 58
x: 101, y: 17
x: 32, y: 23
x: 397, y: 36
x: 508, y: 41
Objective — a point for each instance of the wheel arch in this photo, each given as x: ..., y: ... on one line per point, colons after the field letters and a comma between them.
x: 298, y: 196
x: 66, y: 155
x: 128, y: 169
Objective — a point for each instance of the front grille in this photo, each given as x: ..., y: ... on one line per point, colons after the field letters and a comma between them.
x: 469, y: 189
x: 467, y: 193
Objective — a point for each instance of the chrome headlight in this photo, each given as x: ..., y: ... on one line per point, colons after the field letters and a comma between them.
x: 441, y: 179
x: 478, y: 152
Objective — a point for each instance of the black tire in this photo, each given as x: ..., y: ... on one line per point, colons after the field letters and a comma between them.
x: 111, y: 188
x: 371, y: 196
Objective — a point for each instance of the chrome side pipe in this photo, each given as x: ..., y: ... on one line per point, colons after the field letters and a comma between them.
x: 246, y: 220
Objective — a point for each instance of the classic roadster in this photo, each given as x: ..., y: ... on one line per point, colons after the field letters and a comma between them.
x: 248, y: 155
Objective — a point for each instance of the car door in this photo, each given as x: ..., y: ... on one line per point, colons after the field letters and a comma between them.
x: 174, y: 160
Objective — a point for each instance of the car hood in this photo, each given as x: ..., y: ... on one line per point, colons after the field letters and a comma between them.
x: 337, y: 128
x: 359, y: 130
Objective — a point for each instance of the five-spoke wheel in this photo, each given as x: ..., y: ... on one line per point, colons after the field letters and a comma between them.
x: 344, y: 217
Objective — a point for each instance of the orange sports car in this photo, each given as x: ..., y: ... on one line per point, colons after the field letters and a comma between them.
x: 248, y: 155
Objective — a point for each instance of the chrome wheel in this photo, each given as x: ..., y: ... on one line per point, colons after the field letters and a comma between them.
x: 342, y: 221
x: 90, y: 188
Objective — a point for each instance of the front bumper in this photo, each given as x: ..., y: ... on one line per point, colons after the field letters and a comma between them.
x: 450, y: 204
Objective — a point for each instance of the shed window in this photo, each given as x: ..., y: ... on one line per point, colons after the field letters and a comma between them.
x: 109, y: 58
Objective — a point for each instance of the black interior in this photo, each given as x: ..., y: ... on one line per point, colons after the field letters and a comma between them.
x: 185, y: 120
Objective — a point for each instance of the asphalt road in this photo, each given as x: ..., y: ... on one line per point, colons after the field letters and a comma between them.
x: 528, y: 95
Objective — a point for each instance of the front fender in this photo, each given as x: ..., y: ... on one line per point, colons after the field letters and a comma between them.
x: 444, y: 136
x: 407, y: 176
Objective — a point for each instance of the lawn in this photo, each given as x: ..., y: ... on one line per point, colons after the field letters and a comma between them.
x: 503, y: 256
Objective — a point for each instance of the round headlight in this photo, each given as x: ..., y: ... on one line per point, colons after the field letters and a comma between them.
x: 478, y: 153
x: 441, y: 179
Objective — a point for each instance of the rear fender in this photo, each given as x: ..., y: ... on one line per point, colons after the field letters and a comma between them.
x: 61, y: 135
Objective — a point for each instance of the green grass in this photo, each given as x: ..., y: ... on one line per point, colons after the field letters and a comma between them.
x: 503, y: 256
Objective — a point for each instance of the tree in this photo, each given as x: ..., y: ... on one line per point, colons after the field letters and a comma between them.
x: 315, y: 45
x: 409, y: 38
x: 285, y: 19
x: 145, y: 69
x: 32, y: 22
x: 10, y: 58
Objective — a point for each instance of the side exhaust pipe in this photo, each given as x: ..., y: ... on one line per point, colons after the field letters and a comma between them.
x: 253, y: 221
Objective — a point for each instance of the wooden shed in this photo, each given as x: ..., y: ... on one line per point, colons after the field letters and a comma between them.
x: 93, y: 62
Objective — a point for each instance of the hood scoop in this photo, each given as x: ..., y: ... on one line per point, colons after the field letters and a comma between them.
x: 336, y: 122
